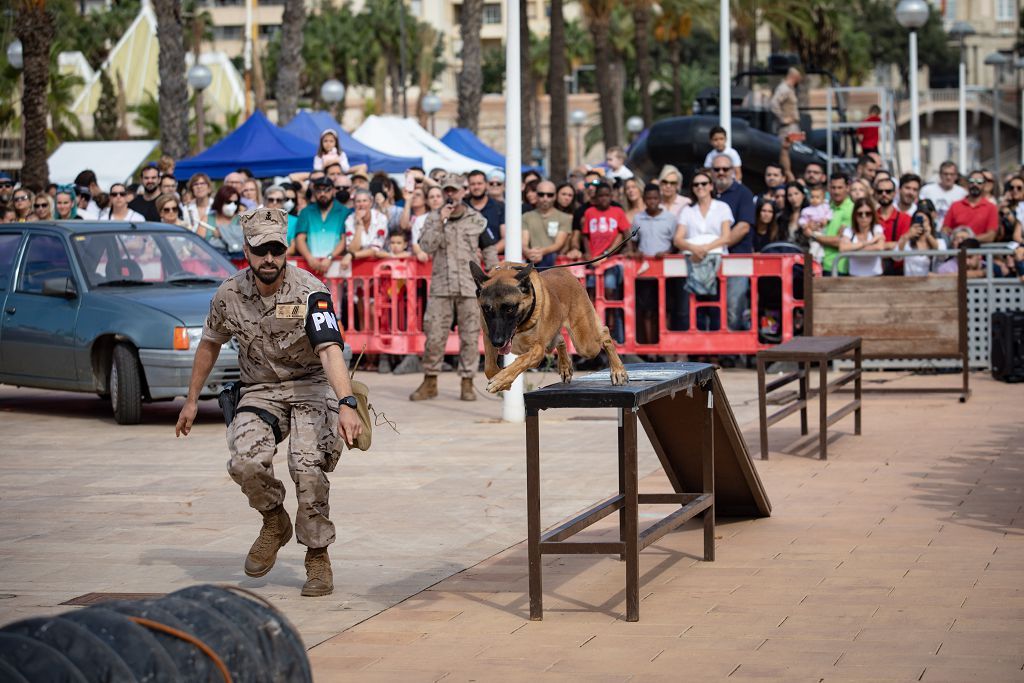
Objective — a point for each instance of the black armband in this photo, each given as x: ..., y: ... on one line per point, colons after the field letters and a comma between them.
x: 321, y: 323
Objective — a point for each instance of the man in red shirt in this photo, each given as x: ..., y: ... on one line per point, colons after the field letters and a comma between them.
x: 892, y: 220
x: 603, y: 224
x: 974, y: 211
x: 869, y: 134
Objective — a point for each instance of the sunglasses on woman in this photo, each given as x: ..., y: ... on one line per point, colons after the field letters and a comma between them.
x: 22, y: 198
x: 274, y: 200
x: 273, y: 248
x: 700, y: 183
x: 44, y: 205
x: 118, y: 194
x: 863, y: 214
x: 169, y: 209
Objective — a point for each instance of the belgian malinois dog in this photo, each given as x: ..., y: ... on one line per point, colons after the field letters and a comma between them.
x: 524, y: 311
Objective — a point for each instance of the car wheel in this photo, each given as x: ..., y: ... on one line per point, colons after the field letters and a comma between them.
x: 125, y: 386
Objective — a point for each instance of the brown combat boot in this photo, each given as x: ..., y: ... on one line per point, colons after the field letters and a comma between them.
x: 426, y: 390
x: 468, y: 394
x: 319, y: 577
x: 276, y: 531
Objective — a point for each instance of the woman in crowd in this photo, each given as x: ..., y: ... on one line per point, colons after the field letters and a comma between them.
x: 434, y: 202
x: 864, y: 235
x: 251, y: 193
x: 703, y: 230
x: 118, y: 209
x: 21, y: 200
x: 530, y: 196
x: 633, y: 193
x: 860, y: 189
x: 169, y: 208
x: 565, y: 199
x: 65, y: 202
x: 766, y: 226
x: 366, y: 228
x: 199, y: 214
x: 789, y: 218
x: 42, y: 207
x: 921, y: 235
x: 225, y: 210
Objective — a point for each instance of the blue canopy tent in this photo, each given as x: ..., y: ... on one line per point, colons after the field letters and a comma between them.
x: 258, y: 145
x: 463, y: 141
x: 309, y: 124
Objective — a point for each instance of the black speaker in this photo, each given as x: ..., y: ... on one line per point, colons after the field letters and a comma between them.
x: 1007, y: 353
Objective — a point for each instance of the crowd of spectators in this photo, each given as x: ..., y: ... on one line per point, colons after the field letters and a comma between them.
x: 339, y: 213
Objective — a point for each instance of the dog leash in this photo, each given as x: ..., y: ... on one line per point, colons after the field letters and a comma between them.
x: 602, y: 257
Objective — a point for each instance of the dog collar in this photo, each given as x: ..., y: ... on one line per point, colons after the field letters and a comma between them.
x: 533, y: 305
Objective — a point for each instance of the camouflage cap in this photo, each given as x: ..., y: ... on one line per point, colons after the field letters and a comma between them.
x: 451, y: 180
x: 260, y: 226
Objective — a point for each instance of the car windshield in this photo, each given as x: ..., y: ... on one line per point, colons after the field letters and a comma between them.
x: 133, y: 258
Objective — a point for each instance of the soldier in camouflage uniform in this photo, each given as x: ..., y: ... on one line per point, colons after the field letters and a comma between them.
x: 292, y: 370
x: 450, y: 235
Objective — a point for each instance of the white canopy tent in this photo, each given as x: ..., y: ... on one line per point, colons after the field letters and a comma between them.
x: 112, y: 162
x: 406, y: 137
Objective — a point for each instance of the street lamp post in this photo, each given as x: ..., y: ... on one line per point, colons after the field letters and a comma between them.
x: 332, y: 92
x: 997, y: 60
x: 199, y: 77
x: 912, y: 15
x: 431, y: 104
x: 959, y: 32
x: 634, y: 124
x: 577, y: 118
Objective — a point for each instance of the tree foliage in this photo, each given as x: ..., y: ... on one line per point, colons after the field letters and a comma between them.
x: 105, y: 117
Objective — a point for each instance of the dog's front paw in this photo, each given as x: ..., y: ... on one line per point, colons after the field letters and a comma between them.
x: 498, y: 384
x: 619, y: 376
x: 566, y: 374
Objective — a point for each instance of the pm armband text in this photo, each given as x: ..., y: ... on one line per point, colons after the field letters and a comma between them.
x: 321, y: 323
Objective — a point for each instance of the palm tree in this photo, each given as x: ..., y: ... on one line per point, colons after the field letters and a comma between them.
x: 641, y: 33
x: 557, y: 68
x: 34, y: 26
x: 290, y: 63
x: 173, y: 93
x: 471, y: 77
x: 598, y: 14
x: 64, y: 123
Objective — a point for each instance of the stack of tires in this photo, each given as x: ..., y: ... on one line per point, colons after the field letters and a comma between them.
x: 196, y: 635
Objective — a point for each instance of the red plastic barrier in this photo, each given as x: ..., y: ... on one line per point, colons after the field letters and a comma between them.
x: 383, y: 302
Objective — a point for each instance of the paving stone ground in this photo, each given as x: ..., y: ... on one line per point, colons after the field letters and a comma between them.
x: 899, y: 558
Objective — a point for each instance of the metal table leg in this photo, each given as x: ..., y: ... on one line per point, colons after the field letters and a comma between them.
x: 632, y: 533
x: 533, y: 515
x: 708, y: 473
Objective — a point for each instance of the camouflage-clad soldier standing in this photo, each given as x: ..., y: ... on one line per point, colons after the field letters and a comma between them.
x: 450, y: 236
x: 292, y: 370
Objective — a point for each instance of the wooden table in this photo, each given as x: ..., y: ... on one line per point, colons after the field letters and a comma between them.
x: 650, y: 383
x: 807, y: 351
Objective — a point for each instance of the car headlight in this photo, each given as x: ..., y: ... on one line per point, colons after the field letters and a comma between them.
x: 187, y: 338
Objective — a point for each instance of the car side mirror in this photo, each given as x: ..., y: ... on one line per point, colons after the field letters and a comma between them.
x: 63, y: 287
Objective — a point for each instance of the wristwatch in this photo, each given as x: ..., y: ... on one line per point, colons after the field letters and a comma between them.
x: 349, y: 401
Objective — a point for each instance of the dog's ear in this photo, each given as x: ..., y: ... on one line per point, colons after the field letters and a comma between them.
x: 523, y: 278
x: 479, y: 276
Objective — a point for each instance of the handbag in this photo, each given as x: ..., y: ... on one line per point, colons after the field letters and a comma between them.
x: 702, y: 277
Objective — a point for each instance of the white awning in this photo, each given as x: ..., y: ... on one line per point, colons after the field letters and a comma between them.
x: 112, y: 162
x: 405, y: 137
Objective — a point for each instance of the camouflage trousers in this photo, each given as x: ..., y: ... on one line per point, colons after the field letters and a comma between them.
x: 304, y: 409
x: 437, y: 322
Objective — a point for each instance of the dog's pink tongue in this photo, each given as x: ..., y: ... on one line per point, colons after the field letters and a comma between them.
x: 507, y: 348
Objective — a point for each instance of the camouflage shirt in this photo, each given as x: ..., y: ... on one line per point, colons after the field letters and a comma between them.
x: 271, y: 334
x: 452, y: 246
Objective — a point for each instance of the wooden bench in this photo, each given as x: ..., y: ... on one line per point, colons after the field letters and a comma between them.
x: 895, y: 317
x: 806, y: 351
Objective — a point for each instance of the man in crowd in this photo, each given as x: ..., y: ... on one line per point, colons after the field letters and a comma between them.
x: 6, y: 190
x: 492, y: 240
x: 291, y: 391
x: 785, y: 105
x: 974, y: 211
x: 343, y: 191
x: 545, y: 229
x: 451, y: 236
x: 842, y: 217
x: 168, y: 184
x: 867, y: 167
x: 945, y: 192
x: 496, y: 185
x: 320, y: 232
x: 145, y: 202
x: 773, y: 176
x: 892, y: 220
x: 814, y: 174
x: 741, y: 241
x: 910, y: 188
x: 655, y: 229
x: 236, y: 181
